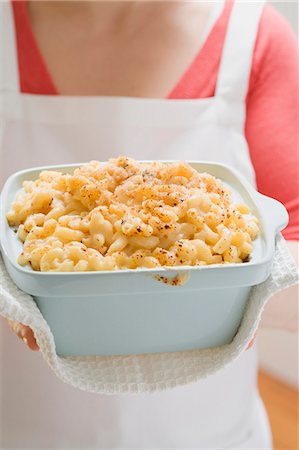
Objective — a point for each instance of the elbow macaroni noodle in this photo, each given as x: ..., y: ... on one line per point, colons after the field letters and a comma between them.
x: 125, y: 214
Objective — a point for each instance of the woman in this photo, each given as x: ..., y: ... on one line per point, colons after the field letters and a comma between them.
x: 91, y: 80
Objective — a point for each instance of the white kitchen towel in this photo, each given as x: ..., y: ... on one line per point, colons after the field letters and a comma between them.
x: 149, y: 372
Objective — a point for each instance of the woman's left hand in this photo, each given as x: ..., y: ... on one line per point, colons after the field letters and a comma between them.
x: 251, y: 342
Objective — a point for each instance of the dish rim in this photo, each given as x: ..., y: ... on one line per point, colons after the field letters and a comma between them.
x: 259, y: 200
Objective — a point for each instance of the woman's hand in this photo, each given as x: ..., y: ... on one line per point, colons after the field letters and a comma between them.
x: 25, y: 333
x: 251, y: 342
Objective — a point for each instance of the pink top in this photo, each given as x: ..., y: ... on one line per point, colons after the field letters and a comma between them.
x: 272, y: 103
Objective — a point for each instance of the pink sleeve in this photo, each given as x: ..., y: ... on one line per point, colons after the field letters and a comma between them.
x: 272, y: 115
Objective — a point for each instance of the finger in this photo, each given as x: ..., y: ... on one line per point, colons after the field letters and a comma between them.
x: 251, y: 342
x: 29, y: 339
x: 24, y: 333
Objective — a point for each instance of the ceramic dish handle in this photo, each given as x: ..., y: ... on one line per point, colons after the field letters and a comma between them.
x: 275, y: 213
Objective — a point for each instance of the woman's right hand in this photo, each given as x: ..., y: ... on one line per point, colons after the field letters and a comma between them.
x: 25, y: 333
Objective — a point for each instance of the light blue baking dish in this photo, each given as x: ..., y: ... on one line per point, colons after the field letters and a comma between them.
x: 130, y: 311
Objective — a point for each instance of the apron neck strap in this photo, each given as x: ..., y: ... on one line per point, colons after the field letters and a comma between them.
x: 9, y: 73
x: 235, y: 66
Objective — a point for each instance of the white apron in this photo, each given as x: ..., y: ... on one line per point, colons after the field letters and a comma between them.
x: 38, y: 410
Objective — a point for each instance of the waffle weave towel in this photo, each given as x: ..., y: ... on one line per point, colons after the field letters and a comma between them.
x: 149, y: 372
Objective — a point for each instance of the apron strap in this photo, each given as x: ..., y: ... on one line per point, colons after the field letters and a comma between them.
x: 9, y: 71
x: 235, y: 66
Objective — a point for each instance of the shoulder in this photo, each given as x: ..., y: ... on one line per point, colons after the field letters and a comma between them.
x: 273, y: 24
x: 275, y: 45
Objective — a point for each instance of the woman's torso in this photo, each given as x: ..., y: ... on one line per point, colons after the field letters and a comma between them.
x: 217, y: 412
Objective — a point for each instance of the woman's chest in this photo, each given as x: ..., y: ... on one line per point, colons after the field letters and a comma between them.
x: 146, y: 57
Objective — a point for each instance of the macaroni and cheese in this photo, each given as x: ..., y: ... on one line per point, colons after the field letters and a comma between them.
x: 125, y: 214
